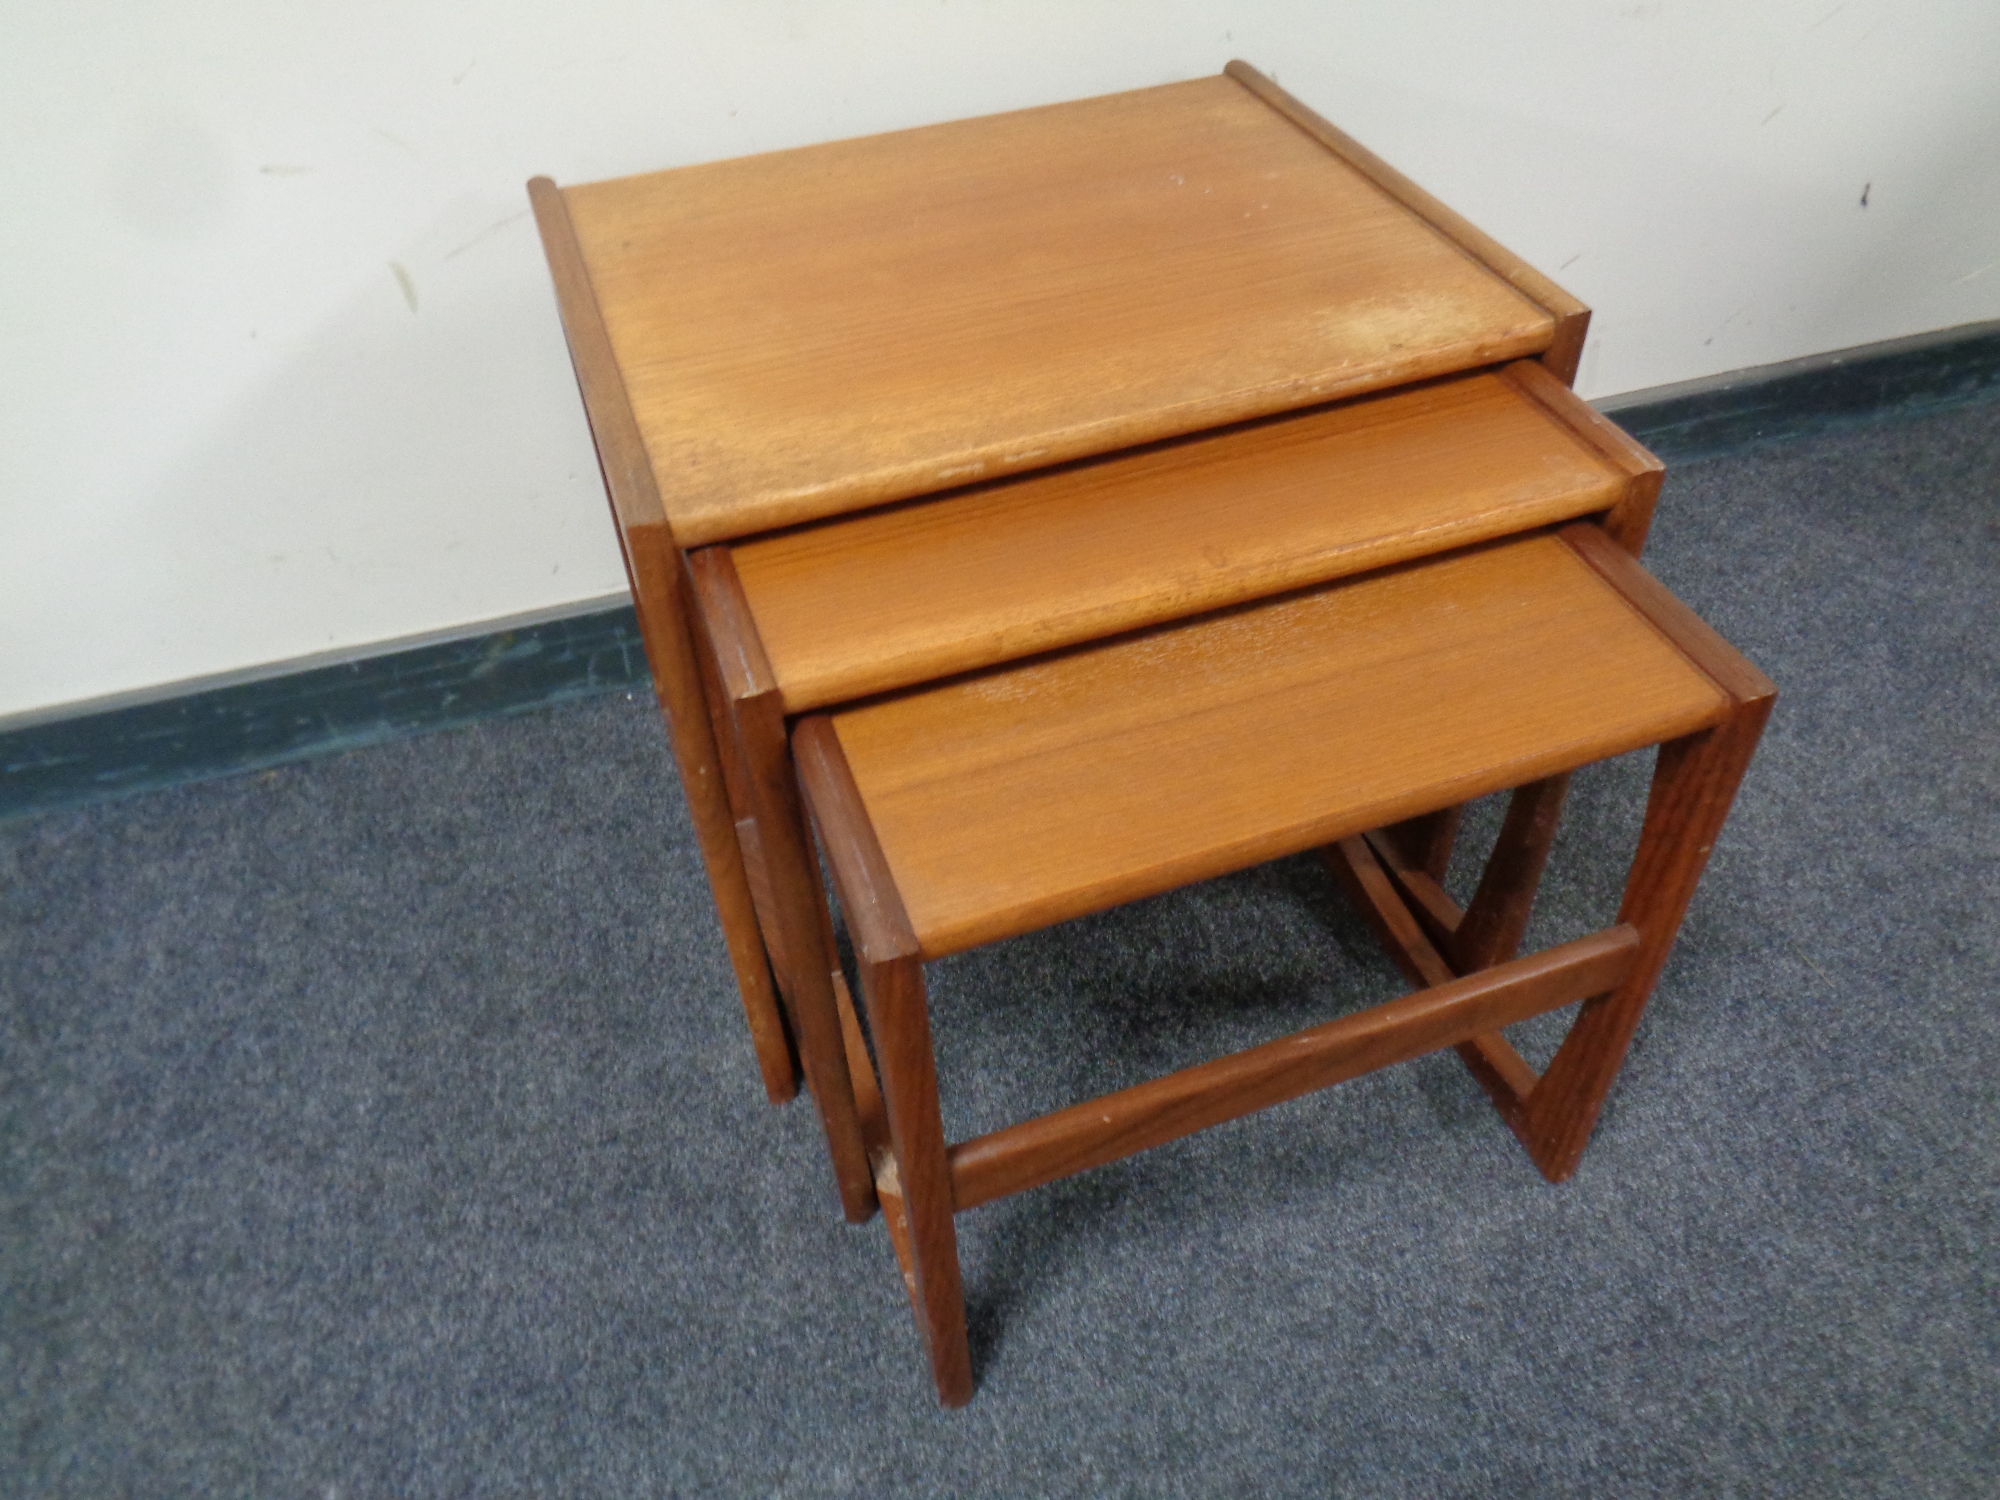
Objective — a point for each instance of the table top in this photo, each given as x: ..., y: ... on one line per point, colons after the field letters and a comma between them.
x: 1037, y: 792
x: 962, y: 581
x: 813, y: 331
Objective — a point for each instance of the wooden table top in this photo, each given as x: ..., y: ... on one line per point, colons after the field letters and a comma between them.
x: 812, y: 331
x: 1038, y: 792
x: 867, y: 603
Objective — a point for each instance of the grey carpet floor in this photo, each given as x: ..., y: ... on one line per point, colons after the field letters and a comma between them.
x: 386, y: 1125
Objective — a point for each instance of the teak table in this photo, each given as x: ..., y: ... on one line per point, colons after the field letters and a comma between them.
x: 973, y: 810
x: 883, y: 413
x: 785, y: 337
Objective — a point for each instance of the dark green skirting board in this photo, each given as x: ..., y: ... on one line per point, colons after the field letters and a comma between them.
x: 320, y: 710
x: 109, y: 750
x: 1726, y: 413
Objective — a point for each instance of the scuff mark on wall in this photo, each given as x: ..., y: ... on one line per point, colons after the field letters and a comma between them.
x: 1726, y: 322
x: 488, y: 231
x: 404, y: 280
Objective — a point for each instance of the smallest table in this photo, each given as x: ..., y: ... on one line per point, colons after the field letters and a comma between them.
x: 962, y: 813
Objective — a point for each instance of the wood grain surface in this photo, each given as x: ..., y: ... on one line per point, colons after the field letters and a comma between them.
x: 1565, y: 351
x: 1629, y: 520
x: 911, y: 593
x: 1020, y: 797
x: 814, y: 330
x: 876, y: 919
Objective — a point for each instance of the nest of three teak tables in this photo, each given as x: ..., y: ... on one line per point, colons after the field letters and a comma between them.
x: 1040, y: 512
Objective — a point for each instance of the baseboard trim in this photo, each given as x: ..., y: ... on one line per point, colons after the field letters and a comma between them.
x: 1727, y: 413
x: 210, y: 729
x: 83, y: 753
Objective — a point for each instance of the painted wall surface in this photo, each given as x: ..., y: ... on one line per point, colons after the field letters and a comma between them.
x: 280, y: 372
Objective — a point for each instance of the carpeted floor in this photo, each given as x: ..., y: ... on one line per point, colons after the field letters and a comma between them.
x: 386, y: 1125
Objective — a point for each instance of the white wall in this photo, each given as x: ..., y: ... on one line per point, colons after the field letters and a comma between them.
x: 280, y: 372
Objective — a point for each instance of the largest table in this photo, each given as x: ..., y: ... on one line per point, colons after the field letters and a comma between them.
x: 779, y: 339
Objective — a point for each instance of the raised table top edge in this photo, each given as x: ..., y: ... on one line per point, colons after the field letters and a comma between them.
x: 740, y: 509
x: 1052, y: 836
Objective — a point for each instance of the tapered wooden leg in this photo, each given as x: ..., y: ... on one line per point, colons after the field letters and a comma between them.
x: 656, y: 569
x: 1490, y: 932
x: 742, y: 807
x: 757, y: 869
x: 914, y: 1173
x: 735, y: 910
x: 750, y: 726
x: 749, y: 837
x: 799, y: 908
x: 1380, y: 869
x: 1694, y: 783
x: 659, y: 599
x: 894, y: 994
x: 1379, y: 891
x: 1425, y: 842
